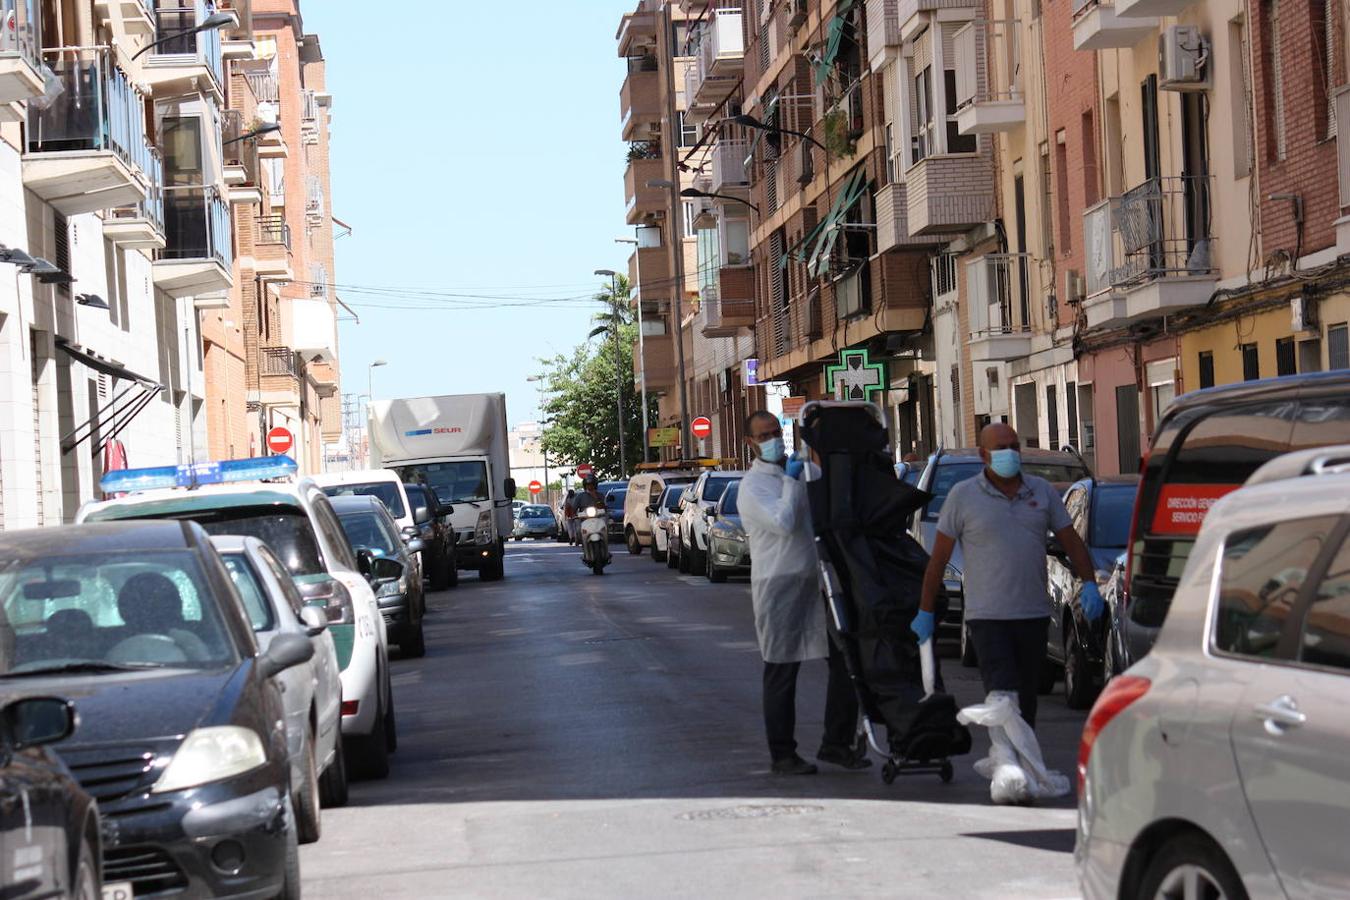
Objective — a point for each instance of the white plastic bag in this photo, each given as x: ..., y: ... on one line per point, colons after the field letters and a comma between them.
x: 1015, y: 768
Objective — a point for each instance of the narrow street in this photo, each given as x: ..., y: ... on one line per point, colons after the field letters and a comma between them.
x: 568, y: 735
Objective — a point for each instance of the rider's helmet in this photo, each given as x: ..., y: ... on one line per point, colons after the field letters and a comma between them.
x: 590, y: 482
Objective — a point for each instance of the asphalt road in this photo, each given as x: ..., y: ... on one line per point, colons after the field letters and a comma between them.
x: 569, y: 735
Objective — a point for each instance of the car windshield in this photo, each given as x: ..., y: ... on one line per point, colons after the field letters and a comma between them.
x: 729, y: 501
x: 251, y: 590
x: 368, y: 531
x: 386, y: 491
x: 1111, y: 512
x: 111, y: 611
x: 673, y: 495
x: 714, y: 488
x: 536, y: 512
x: 1055, y: 473
x: 286, y: 529
x: 453, y: 482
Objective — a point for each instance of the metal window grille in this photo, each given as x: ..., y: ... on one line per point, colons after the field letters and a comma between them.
x: 36, y: 399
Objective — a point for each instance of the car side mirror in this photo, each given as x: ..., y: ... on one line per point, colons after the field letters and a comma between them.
x: 285, y: 652
x: 416, y: 545
x: 710, y: 512
x: 651, y: 509
x: 35, y: 721
x: 382, y: 568
x: 364, y: 558
x: 421, y: 515
x: 314, y: 620
x: 509, y: 487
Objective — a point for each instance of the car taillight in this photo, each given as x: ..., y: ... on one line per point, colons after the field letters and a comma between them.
x: 349, y: 707
x: 333, y: 598
x: 1119, y: 693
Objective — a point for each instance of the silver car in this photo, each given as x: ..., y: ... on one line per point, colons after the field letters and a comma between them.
x: 1216, y: 766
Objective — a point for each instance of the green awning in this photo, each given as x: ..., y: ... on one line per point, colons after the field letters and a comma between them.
x: 834, y: 38
x: 849, y: 194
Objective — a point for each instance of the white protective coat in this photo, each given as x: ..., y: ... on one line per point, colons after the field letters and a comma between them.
x: 784, y: 588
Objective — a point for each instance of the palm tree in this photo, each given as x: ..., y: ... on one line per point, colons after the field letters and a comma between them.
x: 617, y: 314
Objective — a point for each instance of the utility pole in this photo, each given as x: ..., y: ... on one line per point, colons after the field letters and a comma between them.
x: 669, y: 142
x: 618, y: 370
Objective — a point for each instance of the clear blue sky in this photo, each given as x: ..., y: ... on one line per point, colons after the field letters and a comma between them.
x: 474, y: 151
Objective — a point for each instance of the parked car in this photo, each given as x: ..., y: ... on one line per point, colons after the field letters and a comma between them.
x: 1100, y: 509
x: 373, y: 533
x: 728, y: 550
x: 691, y: 533
x: 944, y: 470
x: 182, y: 737
x: 614, y: 505
x: 517, y: 506
x: 1113, y: 602
x: 383, y: 484
x: 1207, y: 444
x: 1217, y: 763
x: 662, y: 518
x: 311, y: 692
x: 438, y: 535
x: 62, y: 857
x: 536, y: 521
x: 644, y: 491
x: 297, y: 521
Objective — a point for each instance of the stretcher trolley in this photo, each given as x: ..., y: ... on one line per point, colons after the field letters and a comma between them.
x: 871, y: 574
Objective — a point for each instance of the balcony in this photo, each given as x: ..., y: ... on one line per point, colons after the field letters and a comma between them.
x: 997, y: 297
x: 241, y: 170
x: 1151, y: 8
x: 720, y: 57
x: 951, y: 192
x: 883, y: 31
x: 314, y: 330
x: 729, y: 173
x: 658, y: 360
x: 644, y: 164
x: 696, y: 111
x: 309, y: 117
x: 640, y: 100
x: 705, y: 209
x: 272, y: 249
x: 729, y: 305
x: 198, y: 253
x: 278, y: 377
x: 20, y: 52
x: 1149, y: 253
x: 637, y: 33
x: 988, y: 101
x: 314, y: 206
x: 649, y: 269
x: 893, y: 222
x: 140, y: 226
x: 186, y: 61
x: 1097, y: 27
x: 87, y: 151
x: 136, y: 16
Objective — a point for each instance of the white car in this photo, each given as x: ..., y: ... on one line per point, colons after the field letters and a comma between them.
x: 1215, y: 766
x: 691, y: 533
x: 662, y: 522
x: 383, y: 484
x: 311, y: 693
x: 296, y: 520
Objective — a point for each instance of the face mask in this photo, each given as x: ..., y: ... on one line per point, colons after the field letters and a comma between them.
x: 772, y: 451
x: 1005, y: 463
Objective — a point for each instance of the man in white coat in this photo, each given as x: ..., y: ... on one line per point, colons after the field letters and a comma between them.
x: 789, y: 612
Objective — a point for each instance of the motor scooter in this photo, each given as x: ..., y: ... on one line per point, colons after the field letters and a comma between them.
x: 594, y: 535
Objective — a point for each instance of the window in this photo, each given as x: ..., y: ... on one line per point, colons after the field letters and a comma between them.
x: 1206, y: 368
x: 1047, y: 207
x: 1338, y: 347
x: 1112, y: 511
x: 251, y: 590
x: 944, y: 274
x: 386, y: 492
x: 1091, y: 177
x: 1322, y: 16
x: 183, y: 151
x: 285, y: 529
x: 1251, y: 362
x: 1161, y: 385
x: 890, y: 151
x: 1071, y: 408
x: 1062, y: 188
x: 1052, y: 416
x: 1114, y: 145
x: 284, y: 579
x: 923, y: 106
x: 1240, y: 91
x: 1310, y: 355
x: 688, y: 215
x: 1260, y: 576
x: 688, y: 134
x: 1284, y: 357
x: 956, y: 141
x: 735, y: 242
x: 1274, y: 87
x: 367, y: 531
x: 1327, y: 622
x: 61, y: 248
x: 1087, y: 424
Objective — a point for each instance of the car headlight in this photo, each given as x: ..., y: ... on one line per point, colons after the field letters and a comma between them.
x: 482, y: 533
x: 395, y: 588
x: 736, y: 534
x: 212, y: 754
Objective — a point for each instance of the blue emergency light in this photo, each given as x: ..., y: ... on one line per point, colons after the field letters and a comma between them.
x: 259, y: 468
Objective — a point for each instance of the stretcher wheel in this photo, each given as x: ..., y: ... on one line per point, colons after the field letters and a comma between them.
x: 946, y: 771
x: 888, y: 772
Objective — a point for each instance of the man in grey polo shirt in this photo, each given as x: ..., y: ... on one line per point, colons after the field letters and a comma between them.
x: 1002, y: 517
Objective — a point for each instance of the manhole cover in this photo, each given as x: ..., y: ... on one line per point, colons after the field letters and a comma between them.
x: 756, y: 811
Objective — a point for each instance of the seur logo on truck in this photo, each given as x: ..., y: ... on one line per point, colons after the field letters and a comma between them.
x: 421, y: 432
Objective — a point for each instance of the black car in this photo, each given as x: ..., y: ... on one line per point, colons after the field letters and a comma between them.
x: 1100, y: 509
x: 433, y: 525
x: 182, y: 737
x: 614, y: 504
x: 388, y: 556
x: 49, y: 827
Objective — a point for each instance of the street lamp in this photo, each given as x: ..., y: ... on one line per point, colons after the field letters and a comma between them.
x: 257, y: 132
x: 618, y: 362
x: 677, y: 306
x: 642, y: 352
x: 210, y: 23
x: 370, y: 377
x: 695, y: 192
x: 748, y: 121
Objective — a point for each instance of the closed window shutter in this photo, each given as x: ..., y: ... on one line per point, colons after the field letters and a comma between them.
x: 1330, y: 9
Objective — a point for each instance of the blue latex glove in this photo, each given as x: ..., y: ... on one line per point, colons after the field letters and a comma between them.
x: 922, y: 626
x: 1090, y: 598
x: 794, y: 468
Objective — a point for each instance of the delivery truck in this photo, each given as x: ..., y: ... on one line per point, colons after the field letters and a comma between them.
x: 455, y: 444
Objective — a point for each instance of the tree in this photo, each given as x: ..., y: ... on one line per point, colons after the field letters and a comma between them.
x: 583, y: 387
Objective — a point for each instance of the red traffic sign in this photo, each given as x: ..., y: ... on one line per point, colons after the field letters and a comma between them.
x: 280, y: 440
x: 701, y: 427
x: 535, y: 487
x: 585, y: 470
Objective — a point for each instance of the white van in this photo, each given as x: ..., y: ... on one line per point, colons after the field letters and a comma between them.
x: 644, y: 493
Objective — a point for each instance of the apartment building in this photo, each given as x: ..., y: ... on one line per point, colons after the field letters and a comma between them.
x: 690, y: 267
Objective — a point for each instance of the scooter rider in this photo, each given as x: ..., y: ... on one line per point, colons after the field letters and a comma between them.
x: 588, y: 496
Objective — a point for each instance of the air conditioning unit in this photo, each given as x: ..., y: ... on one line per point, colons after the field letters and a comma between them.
x: 1074, y: 287
x: 1183, y: 57
x: 797, y: 13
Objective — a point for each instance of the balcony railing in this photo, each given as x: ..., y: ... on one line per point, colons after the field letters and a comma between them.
x: 264, y: 86
x: 729, y: 171
x: 998, y: 285
x: 237, y: 152
x: 722, y: 44
x: 197, y: 225
x: 273, y: 230
x: 278, y: 361
x: 174, y: 26
x: 20, y: 31
x: 1164, y: 227
x: 979, y: 43
x: 151, y: 209
x: 97, y: 109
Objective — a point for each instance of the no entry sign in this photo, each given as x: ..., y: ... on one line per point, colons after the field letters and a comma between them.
x: 585, y: 470
x: 280, y: 440
x: 701, y: 427
x: 535, y: 487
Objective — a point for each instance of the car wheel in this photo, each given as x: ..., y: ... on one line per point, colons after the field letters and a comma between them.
x: 672, y: 558
x: 86, y: 875
x: 715, y: 575
x: 390, y: 722
x: 333, y: 781
x: 968, y: 658
x: 305, y: 801
x: 1191, y: 866
x: 684, y: 560
x: 415, y: 647
x: 658, y: 556
x: 634, y: 545
x: 370, y: 752
x: 1079, y: 690
x: 290, y: 885
x: 442, y: 574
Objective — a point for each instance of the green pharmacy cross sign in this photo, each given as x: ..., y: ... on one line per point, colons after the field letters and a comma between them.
x: 855, y: 376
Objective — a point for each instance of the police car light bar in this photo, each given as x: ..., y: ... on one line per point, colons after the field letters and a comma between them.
x: 125, y: 481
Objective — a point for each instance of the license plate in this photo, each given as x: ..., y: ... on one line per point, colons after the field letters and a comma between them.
x: 118, y: 890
